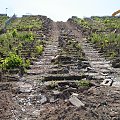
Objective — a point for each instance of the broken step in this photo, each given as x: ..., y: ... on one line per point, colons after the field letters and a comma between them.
x: 58, y: 71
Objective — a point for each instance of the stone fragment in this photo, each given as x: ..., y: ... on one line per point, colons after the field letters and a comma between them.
x: 43, y: 99
x: 116, y: 82
x: 56, y: 92
x: 75, y: 94
x: 25, y: 88
x: 36, y: 112
x: 107, y: 82
x: 75, y: 101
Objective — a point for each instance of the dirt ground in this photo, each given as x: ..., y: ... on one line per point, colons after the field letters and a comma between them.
x: 101, y: 103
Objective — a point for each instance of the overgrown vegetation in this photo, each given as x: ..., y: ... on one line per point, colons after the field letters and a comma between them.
x: 19, y: 44
x: 83, y: 83
x: 103, y: 32
x: 12, y: 61
x: 39, y: 49
x: 26, y: 23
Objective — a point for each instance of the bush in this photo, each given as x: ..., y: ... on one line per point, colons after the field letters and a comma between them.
x: 26, y: 36
x: 39, y: 49
x: 83, y: 83
x: 27, y: 63
x: 12, y: 61
x: 14, y: 33
x: 78, y: 46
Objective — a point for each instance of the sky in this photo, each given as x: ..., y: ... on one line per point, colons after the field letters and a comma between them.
x: 60, y: 10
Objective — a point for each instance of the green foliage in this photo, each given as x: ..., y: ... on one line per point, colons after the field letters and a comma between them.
x: 83, y: 83
x: 39, y: 49
x: 19, y: 42
x: 78, y: 46
x: 27, y: 63
x: 26, y: 36
x: 26, y: 23
x: 2, y: 20
x: 112, y: 54
x: 82, y: 23
x: 103, y: 33
x: 12, y: 61
x: 53, y: 85
x: 95, y: 37
x: 14, y: 33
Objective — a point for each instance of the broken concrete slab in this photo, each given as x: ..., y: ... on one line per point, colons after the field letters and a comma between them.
x: 5, y: 86
x: 107, y: 82
x: 75, y: 94
x: 75, y: 101
x: 43, y: 99
x: 56, y: 92
x: 116, y: 82
x: 24, y: 87
x: 36, y: 112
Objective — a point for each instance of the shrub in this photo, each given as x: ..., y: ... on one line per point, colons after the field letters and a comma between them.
x: 14, y: 33
x: 12, y: 61
x: 83, y: 83
x: 39, y: 49
x: 78, y: 46
x: 27, y: 37
x: 27, y: 63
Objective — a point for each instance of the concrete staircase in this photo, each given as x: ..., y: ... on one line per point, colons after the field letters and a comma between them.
x: 101, y: 69
x: 43, y: 64
x: 97, y: 61
x: 68, y: 61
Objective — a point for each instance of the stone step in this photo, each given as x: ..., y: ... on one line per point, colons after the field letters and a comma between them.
x: 95, y: 59
x: 35, y: 72
x: 89, y: 51
x: 100, y: 65
x: 93, y: 55
x: 49, y: 55
x: 51, y: 47
x: 65, y: 82
x: 50, y: 51
x: 58, y: 71
x: 43, y: 63
x: 58, y: 77
x: 100, y: 62
x: 9, y: 78
x: 39, y: 66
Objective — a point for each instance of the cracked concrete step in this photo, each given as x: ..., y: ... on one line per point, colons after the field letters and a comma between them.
x: 116, y: 83
x: 94, y: 76
x: 41, y: 66
x: 95, y: 59
x: 51, y: 55
x: 101, y: 65
x: 93, y: 55
x: 65, y: 82
x: 35, y: 72
x: 100, y: 62
x: 56, y: 77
